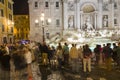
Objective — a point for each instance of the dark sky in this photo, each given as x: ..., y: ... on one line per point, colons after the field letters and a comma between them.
x: 20, y: 7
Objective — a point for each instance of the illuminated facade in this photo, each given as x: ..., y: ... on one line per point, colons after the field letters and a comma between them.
x: 21, y: 27
x: 6, y: 21
x: 73, y: 15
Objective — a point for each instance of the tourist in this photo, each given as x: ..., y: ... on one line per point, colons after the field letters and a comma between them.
x: 28, y: 57
x: 87, y: 54
x: 114, y: 56
x: 97, y: 51
x: 118, y: 55
x: 59, y: 54
x: 66, y: 53
x: 73, y: 56
x: 107, y: 51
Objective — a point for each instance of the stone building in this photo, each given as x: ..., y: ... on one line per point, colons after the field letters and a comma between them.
x: 21, y: 27
x: 72, y: 15
x: 6, y: 21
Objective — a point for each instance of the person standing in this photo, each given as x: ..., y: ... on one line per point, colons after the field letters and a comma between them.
x: 118, y: 55
x: 114, y: 56
x: 59, y: 54
x: 97, y: 51
x: 87, y: 53
x: 66, y: 53
x: 107, y: 51
x: 74, y: 58
x: 28, y: 57
x: 45, y: 53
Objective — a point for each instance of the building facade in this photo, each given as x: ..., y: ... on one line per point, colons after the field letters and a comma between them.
x: 21, y: 27
x: 6, y: 21
x: 69, y: 15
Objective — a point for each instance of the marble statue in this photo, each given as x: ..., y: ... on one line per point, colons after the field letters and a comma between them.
x: 70, y: 22
x: 105, y: 21
x: 88, y: 25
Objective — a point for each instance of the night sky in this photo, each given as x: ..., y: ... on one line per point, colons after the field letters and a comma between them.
x: 20, y: 7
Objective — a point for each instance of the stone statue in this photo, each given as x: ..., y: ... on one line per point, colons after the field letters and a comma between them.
x: 70, y: 22
x: 105, y: 21
x: 88, y: 25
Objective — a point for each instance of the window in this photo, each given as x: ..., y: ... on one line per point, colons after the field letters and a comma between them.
x: 57, y: 4
x: 115, y: 5
x: 26, y: 35
x: 2, y: 1
x: 36, y: 4
x: 18, y: 35
x: 2, y: 13
x: 11, y: 29
x: 115, y: 21
x: 10, y: 16
x: 3, y: 28
x: 57, y: 22
x: 9, y: 5
x: 46, y: 4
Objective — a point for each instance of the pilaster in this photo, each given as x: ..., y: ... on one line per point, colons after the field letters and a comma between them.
x: 65, y: 7
x: 99, y: 17
x: 78, y: 15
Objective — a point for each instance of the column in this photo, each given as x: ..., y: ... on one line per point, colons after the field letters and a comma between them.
x: 111, y: 21
x: 81, y: 19
x: 75, y: 14
x: 99, y: 17
x: 78, y: 14
x: 65, y: 7
x: 95, y: 16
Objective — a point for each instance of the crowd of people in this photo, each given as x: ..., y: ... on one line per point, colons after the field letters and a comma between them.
x: 24, y: 55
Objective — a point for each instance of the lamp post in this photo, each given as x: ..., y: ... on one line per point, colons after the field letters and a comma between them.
x: 42, y: 19
x: 43, y: 25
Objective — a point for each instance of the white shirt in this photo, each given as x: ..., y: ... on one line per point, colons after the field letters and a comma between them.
x: 28, y: 57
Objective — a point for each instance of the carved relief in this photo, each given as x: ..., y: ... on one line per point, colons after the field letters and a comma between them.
x: 106, y: 5
x: 71, y: 6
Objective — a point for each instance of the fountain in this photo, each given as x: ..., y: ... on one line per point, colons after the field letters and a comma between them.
x: 91, y: 37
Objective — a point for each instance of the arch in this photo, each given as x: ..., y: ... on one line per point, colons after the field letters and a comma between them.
x: 88, y: 7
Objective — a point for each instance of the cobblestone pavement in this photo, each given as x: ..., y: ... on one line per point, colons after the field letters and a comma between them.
x: 4, y: 73
x: 11, y: 74
x: 67, y: 74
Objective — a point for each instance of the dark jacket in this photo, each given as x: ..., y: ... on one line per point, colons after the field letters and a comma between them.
x: 107, y: 51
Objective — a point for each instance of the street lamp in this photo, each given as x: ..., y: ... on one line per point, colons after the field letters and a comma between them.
x: 43, y: 26
x: 42, y: 19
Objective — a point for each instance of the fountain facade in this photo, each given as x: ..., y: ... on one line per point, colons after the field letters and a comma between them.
x: 79, y: 21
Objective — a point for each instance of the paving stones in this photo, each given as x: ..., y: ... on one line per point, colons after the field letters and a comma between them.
x: 102, y: 79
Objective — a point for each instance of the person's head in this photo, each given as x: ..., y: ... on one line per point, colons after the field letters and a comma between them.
x: 114, y: 44
x: 65, y: 44
x: 108, y: 44
x: 104, y: 45
x: 59, y: 44
x: 86, y: 46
